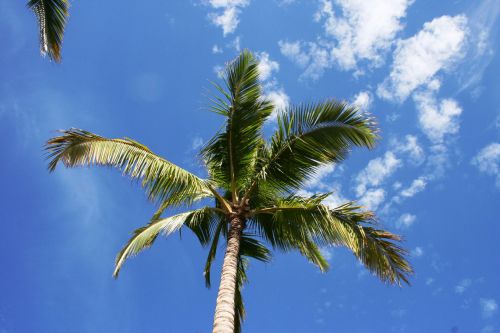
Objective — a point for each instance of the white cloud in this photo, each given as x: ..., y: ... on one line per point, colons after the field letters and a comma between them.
x: 219, y: 71
x: 417, y: 252
x: 266, y: 65
x: 372, y: 198
x: 333, y: 200
x: 317, y: 180
x: 417, y: 59
x: 437, y: 118
x: 377, y: 171
x: 227, y: 19
x: 363, y: 100
x: 274, y: 93
x: 279, y: 98
x: 483, y: 34
x: 314, y: 57
x: 293, y: 51
x: 363, y: 30
x: 197, y: 143
x: 488, y: 161
x: 463, y: 285
x: 405, y: 221
x: 416, y: 186
x: 216, y: 49
x: 327, y: 253
x: 488, y: 307
x: 410, y: 146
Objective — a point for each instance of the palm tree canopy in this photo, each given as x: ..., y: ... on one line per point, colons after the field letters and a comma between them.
x: 254, y: 179
x: 52, y: 16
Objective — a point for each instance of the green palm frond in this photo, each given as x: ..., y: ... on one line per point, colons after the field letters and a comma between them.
x: 163, y: 180
x: 305, y: 223
x: 144, y: 237
x: 212, y: 252
x: 377, y: 249
x: 230, y: 155
x: 309, y: 136
x: 52, y: 16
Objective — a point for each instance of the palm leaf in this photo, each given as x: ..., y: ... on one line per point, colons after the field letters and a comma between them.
x: 163, y: 180
x: 377, y: 249
x: 231, y: 154
x: 144, y: 237
x: 305, y: 223
x: 309, y: 136
x: 52, y: 16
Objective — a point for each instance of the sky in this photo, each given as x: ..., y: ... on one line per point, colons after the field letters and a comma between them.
x: 427, y: 70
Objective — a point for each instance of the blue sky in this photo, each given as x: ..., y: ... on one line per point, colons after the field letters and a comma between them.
x: 427, y: 70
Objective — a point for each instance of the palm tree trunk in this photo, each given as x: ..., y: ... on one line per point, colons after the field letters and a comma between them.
x: 224, y: 309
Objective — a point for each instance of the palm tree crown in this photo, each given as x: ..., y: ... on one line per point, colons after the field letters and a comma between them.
x: 254, y: 185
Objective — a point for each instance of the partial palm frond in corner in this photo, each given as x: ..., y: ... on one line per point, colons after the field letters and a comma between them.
x: 52, y: 17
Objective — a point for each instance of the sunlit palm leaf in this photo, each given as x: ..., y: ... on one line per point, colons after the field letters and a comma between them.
x: 305, y: 223
x: 52, y: 16
x: 231, y: 154
x: 377, y: 249
x: 309, y: 136
x: 162, y: 179
x: 144, y: 237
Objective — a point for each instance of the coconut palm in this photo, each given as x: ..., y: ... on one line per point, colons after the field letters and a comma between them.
x: 249, y: 198
x: 52, y: 16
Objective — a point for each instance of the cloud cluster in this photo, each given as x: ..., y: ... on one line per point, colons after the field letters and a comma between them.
x: 272, y: 90
x: 488, y: 161
x: 437, y: 118
x: 226, y: 15
x: 417, y: 59
x: 405, y: 221
x: 362, y: 30
x: 363, y: 101
x: 355, y: 31
x: 488, y: 306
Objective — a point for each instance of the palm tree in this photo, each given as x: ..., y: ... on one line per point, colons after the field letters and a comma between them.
x: 253, y: 184
x: 52, y: 16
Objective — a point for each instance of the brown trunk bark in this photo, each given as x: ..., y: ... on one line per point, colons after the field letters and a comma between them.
x: 224, y: 309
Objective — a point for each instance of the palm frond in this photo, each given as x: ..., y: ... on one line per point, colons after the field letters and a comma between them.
x: 309, y: 136
x: 231, y: 154
x: 52, y: 16
x: 144, y: 237
x: 212, y: 252
x: 377, y: 249
x: 163, y: 180
x: 305, y: 223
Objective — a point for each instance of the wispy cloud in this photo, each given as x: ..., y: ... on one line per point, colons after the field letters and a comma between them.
x: 437, y: 118
x: 355, y: 32
x: 488, y: 161
x: 405, y: 221
x: 272, y: 90
x: 361, y: 30
x: 417, y: 252
x: 489, y: 307
x: 226, y: 14
x: 417, y: 59
x: 463, y: 285
x: 376, y: 172
x: 363, y: 100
